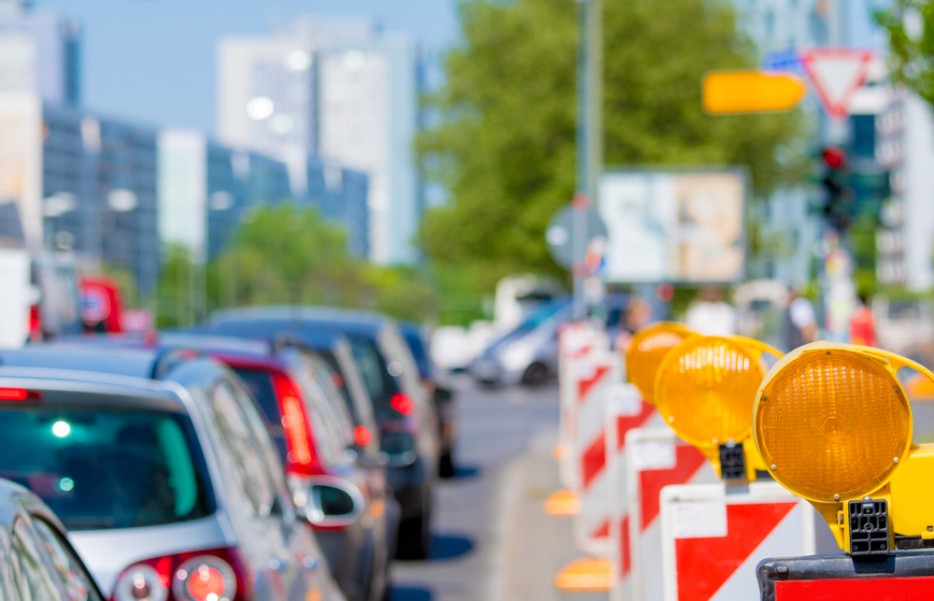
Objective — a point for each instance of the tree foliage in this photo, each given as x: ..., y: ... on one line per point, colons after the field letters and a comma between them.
x: 285, y: 254
x: 505, y: 149
x: 910, y: 27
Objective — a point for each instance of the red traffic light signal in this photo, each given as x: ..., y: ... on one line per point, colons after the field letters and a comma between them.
x: 833, y: 157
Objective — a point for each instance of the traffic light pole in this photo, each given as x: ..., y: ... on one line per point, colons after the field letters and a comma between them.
x: 589, y: 137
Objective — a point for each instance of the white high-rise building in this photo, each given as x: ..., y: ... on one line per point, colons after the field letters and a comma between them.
x: 342, y: 90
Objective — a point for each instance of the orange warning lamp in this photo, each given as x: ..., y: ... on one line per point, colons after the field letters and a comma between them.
x: 833, y: 425
x: 705, y: 389
x: 647, y: 349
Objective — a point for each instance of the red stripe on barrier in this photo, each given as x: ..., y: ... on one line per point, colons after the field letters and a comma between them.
x: 625, y: 423
x: 625, y: 553
x: 603, y: 530
x: 856, y: 589
x: 593, y: 460
x: 687, y: 461
x: 585, y: 385
x: 704, y: 564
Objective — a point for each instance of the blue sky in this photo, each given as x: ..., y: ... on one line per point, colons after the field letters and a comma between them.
x: 153, y: 60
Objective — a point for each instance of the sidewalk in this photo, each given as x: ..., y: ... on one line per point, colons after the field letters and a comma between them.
x: 536, y: 545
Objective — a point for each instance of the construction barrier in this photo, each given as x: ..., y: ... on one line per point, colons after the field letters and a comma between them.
x: 598, y: 374
x: 576, y: 341
x: 627, y: 413
x: 655, y: 459
x: 713, y: 538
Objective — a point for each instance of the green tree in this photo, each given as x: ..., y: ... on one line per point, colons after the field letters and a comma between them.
x: 505, y: 148
x: 910, y: 27
x: 178, y: 296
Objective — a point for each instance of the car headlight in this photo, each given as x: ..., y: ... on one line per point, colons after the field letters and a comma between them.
x: 515, y: 356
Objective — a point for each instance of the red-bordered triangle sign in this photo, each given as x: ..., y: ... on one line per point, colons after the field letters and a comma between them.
x: 836, y: 74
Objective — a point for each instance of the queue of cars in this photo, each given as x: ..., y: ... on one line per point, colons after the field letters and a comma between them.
x: 273, y: 454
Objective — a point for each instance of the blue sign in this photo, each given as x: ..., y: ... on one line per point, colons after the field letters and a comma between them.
x: 783, y: 60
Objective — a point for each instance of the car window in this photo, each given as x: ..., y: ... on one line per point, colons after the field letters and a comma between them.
x: 331, y: 435
x: 34, y: 581
x: 261, y: 387
x: 401, y: 365
x: 343, y: 409
x: 105, y: 467
x: 370, y: 362
x: 245, y: 466
x: 71, y: 572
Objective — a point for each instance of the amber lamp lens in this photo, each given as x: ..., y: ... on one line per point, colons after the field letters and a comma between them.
x: 706, y: 388
x: 832, y: 425
x: 646, y: 351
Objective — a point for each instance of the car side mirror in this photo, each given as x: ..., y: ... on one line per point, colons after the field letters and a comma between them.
x: 329, y: 502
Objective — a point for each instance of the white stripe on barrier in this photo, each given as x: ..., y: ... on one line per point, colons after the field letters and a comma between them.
x: 712, y: 539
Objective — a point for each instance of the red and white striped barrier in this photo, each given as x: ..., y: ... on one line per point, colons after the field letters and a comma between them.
x: 713, y: 539
x: 655, y: 459
x: 598, y: 376
x: 576, y: 342
x: 627, y: 412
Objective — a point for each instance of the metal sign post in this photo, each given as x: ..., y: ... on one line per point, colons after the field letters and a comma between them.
x: 589, y: 137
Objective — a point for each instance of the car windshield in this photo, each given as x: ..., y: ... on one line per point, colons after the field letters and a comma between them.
x: 106, y: 468
x: 375, y: 372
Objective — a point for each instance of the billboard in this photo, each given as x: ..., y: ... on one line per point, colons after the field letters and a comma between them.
x: 674, y: 226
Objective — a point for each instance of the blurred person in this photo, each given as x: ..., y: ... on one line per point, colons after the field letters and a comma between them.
x: 638, y: 314
x: 710, y: 314
x: 863, y: 324
x: 800, y: 323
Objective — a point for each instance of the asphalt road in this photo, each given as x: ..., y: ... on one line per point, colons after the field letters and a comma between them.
x: 475, y: 554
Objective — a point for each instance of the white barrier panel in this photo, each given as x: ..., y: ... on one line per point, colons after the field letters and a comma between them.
x: 600, y: 372
x: 626, y: 412
x: 575, y: 342
x: 712, y: 540
x: 655, y: 459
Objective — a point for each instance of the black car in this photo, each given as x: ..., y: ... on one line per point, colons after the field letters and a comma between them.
x: 443, y: 395
x: 407, y: 417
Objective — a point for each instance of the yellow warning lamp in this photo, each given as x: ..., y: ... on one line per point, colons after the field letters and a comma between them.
x: 647, y: 349
x: 705, y: 389
x: 833, y: 425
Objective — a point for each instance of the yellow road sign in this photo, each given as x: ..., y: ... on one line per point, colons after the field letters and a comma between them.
x: 732, y: 92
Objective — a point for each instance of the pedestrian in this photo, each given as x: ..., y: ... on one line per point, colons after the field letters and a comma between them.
x: 638, y: 313
x: 710, y: 314
x: 863, y: 324
x: 800, y: 322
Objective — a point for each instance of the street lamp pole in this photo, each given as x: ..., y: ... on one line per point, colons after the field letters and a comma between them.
x: 589, y: 137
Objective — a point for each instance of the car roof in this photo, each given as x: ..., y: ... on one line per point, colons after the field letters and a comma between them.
x: 343, y: 320
x: 131, y: 362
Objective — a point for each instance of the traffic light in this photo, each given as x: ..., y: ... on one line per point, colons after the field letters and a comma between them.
x: 838, y: 196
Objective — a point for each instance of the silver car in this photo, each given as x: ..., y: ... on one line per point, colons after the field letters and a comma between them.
x: 36, y: 559
x: 161, y: 468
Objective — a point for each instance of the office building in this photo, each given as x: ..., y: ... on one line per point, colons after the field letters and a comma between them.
x: 341, y: 90
x: 81, y: 180
x: 39, y: 53
x: 340, y: 196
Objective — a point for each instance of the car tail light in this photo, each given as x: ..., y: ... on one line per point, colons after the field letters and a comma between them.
x: 35, y: 323
x: 301, y: 458
x: 18, y: 394
x: 209, y: 575
x: 362, y: 435
x: 402, y: 403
